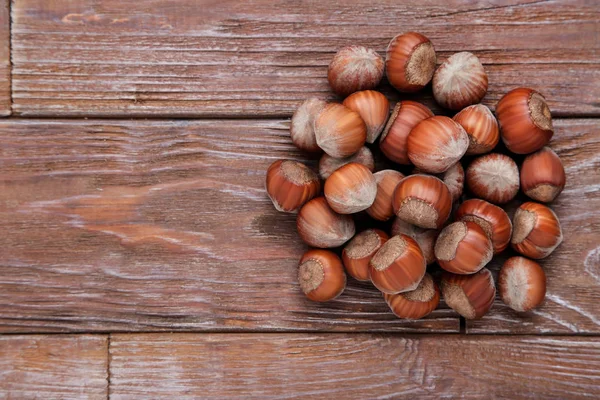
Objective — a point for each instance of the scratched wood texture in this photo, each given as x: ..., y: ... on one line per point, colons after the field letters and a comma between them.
x: 54, y: 367
x: 5, y: 107
x: 165, y: 225
x: 189, y: 366
x: 131, y: 58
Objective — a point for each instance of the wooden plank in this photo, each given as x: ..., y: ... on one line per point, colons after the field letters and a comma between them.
x: 159, y: 225
x: 5, y: 102
x: 54, y: 367
x: 189, y: 366
x: 256, y: 58
x: 573, y: 270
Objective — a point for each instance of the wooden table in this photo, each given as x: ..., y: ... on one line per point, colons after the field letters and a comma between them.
x: 140, y: 256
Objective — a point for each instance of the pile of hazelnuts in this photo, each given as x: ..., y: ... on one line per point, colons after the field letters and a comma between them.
x: 423, y: 201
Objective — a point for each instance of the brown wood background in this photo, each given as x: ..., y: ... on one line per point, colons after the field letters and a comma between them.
x: 132, y: 204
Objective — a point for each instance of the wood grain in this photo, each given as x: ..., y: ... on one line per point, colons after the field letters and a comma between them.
x: 573, y: 270
x: 228, y: 58
x: 165, y: 225
x: 189, y: 366
x: 160, y: 225
x: 53, y: 367
x: 5, y: 102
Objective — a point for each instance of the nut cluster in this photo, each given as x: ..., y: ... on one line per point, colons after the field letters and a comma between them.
x: 439, y: 209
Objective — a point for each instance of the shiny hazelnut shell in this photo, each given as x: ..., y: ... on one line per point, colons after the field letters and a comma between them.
x: 290, y: 184
x: 459, y: 81
x: 339, y: 131
x: 410, y: 62
x: 481, y: 127
x: 374, y: 109
x: 382, y: 208
x: 355, y: 68
x: 422, y: 200
x: 319, y: 226
x: 492, y: 219
x: 398, y: 266
x: 463, y: 248
x: 405, y: 116
x: 521, y: 284
x: 536, y: 231
x: 493, y: 177
x: 525, y: 120
x: 425, y: 238
x: 436, y: 143
x: 417, y: 303
x: 471, y: 296
x: 359, y: 251
x: 350, y: 189
x: 542, y: 175
x: 321, y: 275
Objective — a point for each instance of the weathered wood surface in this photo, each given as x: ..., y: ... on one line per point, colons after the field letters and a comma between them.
x: 256, y: 58
x: 53, y: 367
x: 189, y: 366
x: 4, y: 58
x: 160, y: 225
x: 165, y: 225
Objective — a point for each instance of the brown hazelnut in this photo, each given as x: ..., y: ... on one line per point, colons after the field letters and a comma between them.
x: 481, y: 127
x: 460, y: 81
x: 350, y: 189
x: 493, y: 177
x: 355, y: 68
x: 537, y: 230
x: 290, y: 184
x: 522, y: 284
x: 319, y: 226
x: 339, y: 131
x: 492, y: 219
x: 302, y: 126
x: 398, y: 266
x: 373, y: 107
x: 321, y: 275
x: 410, y: 62
x: 543, y: 175
x: 425, y: 238
x: 422, y: 200
x: 471, y: 296
x: 463, y: 248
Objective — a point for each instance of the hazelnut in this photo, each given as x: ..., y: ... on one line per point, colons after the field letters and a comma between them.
x: 405, y: 116
x: 436, y: 143
x: 460, y: 81
x: 481, y: 127
x: 463, y: 248
x: 525, y: 120
x: 350, y: 189
x: 321, y: 275
x: 454, y: 178
x: 290, y: 184
x: 355, y: 68
x: 522, y: 284
x: 339, y: 131
x: 492, y: 219
x: 410, y: 62
x: 373, y: 107
x: 359, y: 251
x: 319, y: 226
x: 302, y: 129
x: 471, y: 296
x: 398, y: 266
x: 537, y: 231
x: 543, y: 175
x: 422, y: 200
x: 387, y: 180
x: 494, y: 177
x: 425, y: 238
x: 328, y: 164
x: 417, y: 303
